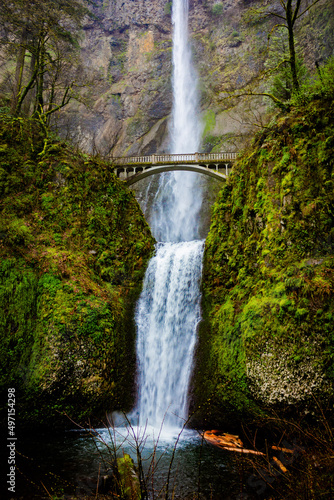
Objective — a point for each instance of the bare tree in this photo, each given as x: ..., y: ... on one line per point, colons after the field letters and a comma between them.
x: 287, y: 12
x: 292, y: 11
x: 42, y: 36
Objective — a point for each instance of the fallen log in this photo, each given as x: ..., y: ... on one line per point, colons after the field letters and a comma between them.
x: 227, y: 442
x: 280, y: 465
x: 285, y: 450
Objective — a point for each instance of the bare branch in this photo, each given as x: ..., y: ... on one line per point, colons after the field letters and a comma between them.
x: 276, y: 15
x: 274, y: 27
x: 276, y: 68
x: 283, y: 4
x: 308, y: 8
x: 277, y: 101
x: 24, y: 92
x: 66, y: 99
x: 295, y: 14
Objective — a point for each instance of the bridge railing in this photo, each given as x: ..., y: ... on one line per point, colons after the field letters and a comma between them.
x: 217, y: 156
x: 175, y: 158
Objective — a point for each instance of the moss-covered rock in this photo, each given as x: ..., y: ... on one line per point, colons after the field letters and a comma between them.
x: 268, y: 335
x: 74, y: 245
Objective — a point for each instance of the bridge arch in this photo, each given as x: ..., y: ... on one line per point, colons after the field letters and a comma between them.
x: 142, y: 173
x: 132, y: 169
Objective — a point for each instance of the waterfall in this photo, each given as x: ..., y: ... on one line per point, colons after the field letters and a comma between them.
x: 168, y: 310
x: 176, y: 208
x: 167, y: 314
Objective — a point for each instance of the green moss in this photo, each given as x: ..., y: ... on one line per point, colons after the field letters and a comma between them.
x: 209, y: 120
x: 269, y: 269
x: 217, y: 9
x: 74, y: 246
x: 17, y: 317
x: 168, y: 8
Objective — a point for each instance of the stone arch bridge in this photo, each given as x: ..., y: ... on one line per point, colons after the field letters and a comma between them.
x: 132, y: 169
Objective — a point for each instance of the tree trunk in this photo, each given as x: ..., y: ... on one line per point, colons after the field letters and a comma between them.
x: 39, y: 103
x: 19, y: 69
x: 291, y: 18
x: 31, y: 94
x: 25, y: 91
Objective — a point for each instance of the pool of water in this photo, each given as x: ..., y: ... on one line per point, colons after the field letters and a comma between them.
x: 72, y: 463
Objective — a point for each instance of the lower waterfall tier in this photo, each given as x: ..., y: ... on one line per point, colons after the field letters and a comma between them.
x: 167, y: 316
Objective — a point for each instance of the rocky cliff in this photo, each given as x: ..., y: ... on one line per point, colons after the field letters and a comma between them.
x: 126, y: 57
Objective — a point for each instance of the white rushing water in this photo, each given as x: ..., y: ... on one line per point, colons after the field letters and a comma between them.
x: 168, y: 310
x: 175, y: 212
x: 167, y: 315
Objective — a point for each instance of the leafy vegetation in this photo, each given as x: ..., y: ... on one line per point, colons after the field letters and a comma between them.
x: 280, y: 82
x: 217, y: 9
x: 292, y: 11
x: 73, y: 250
x: 268, y: 335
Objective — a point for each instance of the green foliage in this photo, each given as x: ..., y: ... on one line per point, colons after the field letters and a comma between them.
x: 269, y: 268
x: 280, y: 82
x: 168, y: 8
x: 209, y: 120
x: 285, y: 73
x: 73, y: 250
x: 18, y: 285
x: 129, y: 481
x: 319, y: 87
x: 47, y: 35
x: 217, y: 9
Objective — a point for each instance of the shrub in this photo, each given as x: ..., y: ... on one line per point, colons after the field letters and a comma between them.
x: 217, y: 9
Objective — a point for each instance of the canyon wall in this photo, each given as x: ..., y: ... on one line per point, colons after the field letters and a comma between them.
x: 126, y: 63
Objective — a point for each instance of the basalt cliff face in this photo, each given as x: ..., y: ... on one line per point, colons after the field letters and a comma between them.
x: 126, y: 57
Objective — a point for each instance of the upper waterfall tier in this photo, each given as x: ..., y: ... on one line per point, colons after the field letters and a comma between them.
x: 178, y: 201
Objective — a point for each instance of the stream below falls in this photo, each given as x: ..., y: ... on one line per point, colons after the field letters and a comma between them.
x: 71, y: 464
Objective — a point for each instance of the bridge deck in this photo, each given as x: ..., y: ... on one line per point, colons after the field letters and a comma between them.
x: 174, y: 159
x: 134, y: 168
